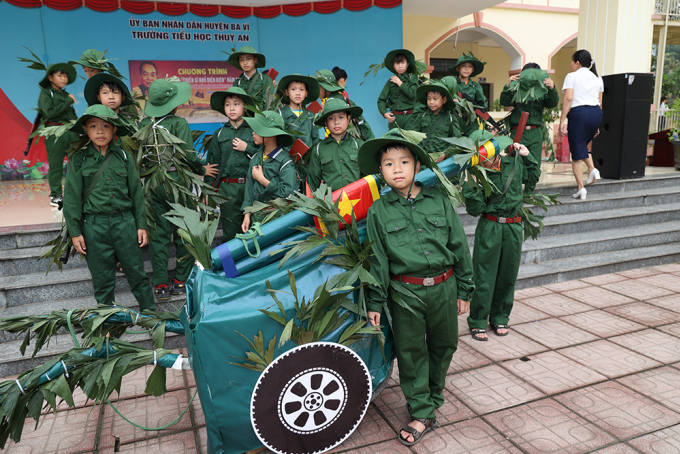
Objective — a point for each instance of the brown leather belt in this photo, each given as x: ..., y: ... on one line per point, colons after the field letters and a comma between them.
x: 512, y: 220
x: 402, y: 112
x: 426, y: 281
x: 233, y: 180
x: 528, y: 127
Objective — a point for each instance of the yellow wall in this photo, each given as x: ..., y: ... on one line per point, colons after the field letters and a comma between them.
x: 421, y: 31
x: 560, y: 63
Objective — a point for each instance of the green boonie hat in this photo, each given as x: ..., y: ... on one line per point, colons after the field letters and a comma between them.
x: 334, y: 105
x: 327, y: 80
x: 95, y: 82
x: 369, y: 162
x: 165, y: 95
x: 531, y: 78
x: 103, y: 112
x: 423, y: 90
x: 218, y: 97
x: 89, y: 54
x: 468, y: 58
x: 64, y: 67
x: 311, y: 83
x: 233, y: 58
x: 270, y: 125
x: 483, y: 136
x: 451, y: 83
x: 409, y: 57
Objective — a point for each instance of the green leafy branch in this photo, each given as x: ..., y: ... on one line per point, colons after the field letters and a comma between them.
x: 103, y: 64
x: 533, y: 223
x: 92, y: 323
x: 98, y: 372
x: 37, y: 63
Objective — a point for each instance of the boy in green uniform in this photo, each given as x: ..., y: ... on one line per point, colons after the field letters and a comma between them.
x: 104, y: 208
x: 254, y: 83
x: 231, y: 149
x: 469, y: 66
x: 329, y: 88
x: 165, y: 96
x: 296, y: 92
x: 399, y: 93
x: 109, y: 90
x: 437, y: 121
x: 271, y: 173
x: 418, y: 241
x: 499, y: 235
x: 334, y: 159
x: 56, y: 107
x: 531, y: 77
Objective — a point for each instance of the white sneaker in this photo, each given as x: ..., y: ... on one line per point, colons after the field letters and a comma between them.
x: 594, y: 175
x: 581, y: 194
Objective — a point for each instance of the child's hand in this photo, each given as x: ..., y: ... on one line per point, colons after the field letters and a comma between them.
x: 239, y: 144
x: 390, y: 117
x: 245, y: 226
x: 396, y: 80
x: 73, y: 98
x: 79, y: 244
x: 374, y: 318
x: 463, y: 306
x: 211, y: 170
x: 512, y: 79
x: 523, y: 151
x: 549, y: 83
x: 142, y: 237
x: 258, y: 174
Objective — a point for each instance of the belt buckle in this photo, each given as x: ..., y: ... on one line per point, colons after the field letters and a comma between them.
x: 241, y: 180
x: 502, y: 220
x: 428, y: 281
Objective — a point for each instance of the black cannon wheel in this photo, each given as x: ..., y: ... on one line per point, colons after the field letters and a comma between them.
x: 310, y: 399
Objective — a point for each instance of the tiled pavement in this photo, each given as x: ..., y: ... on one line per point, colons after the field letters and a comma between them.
x: 591, y: 366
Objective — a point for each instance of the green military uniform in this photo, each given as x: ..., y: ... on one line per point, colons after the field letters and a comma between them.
x: 278, y: 169
x: 304, y: 124
x: 233, y: 165
x: 472, y: 91
x: 109, y: 219
x: 161, y: 232
x: 259, y: 84
x: 422, y: 237
x: 56, y: 108
x: 277, y: 166
x: 498, y: 246
x: 331, y: 161
x: 532, y: 138
x: 400, y: 100
x: 444, y: 124
x: 335, y: 163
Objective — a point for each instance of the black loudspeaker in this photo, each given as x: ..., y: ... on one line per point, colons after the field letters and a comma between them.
x: 620, y: 150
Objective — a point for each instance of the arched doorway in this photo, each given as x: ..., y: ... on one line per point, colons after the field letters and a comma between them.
x: 559, y: 60
x: 487, y: 43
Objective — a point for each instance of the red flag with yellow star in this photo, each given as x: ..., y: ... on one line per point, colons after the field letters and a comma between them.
x: 357, y: 197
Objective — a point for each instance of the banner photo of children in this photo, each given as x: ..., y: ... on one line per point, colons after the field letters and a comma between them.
x: 205, y: 78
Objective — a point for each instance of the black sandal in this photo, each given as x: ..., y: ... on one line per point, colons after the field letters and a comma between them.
x: 430, y: 425
x: 476, y: 334
x: 497, y: 327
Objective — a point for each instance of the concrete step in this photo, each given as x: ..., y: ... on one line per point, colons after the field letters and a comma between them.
x: 601, y: 186
x: 68, y: 284
x: 577, y: 244
x: 565, y: 269
x: 126, y: 299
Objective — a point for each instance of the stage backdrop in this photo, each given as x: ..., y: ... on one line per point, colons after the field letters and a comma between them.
x: 186, y: 42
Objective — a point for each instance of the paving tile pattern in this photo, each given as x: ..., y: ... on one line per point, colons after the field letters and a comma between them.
x: 590, y: 366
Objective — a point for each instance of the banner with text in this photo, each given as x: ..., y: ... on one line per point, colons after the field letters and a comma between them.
x: 205, y: 77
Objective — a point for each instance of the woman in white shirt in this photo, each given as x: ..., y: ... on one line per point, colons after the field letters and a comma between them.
x: 582, y: 105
